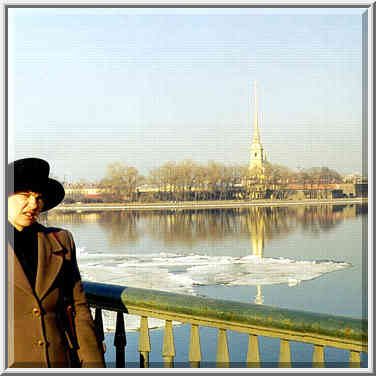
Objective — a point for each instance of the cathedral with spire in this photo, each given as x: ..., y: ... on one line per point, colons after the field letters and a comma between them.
x: 258, y: 156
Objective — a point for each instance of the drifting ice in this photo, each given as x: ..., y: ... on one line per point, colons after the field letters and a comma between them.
x: 182, y: 273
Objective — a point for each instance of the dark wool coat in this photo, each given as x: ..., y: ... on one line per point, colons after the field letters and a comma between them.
x: 34, y: 337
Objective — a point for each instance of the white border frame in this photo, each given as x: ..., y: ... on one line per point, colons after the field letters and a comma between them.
x: 369, y: 8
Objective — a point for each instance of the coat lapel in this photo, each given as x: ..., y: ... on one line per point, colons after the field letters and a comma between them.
x: 49, y: 263
x: 16, y: 274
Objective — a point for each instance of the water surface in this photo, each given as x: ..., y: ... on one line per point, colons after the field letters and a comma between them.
x: 299, y: 257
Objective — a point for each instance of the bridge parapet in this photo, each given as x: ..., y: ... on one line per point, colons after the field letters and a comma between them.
x: 320, y: 330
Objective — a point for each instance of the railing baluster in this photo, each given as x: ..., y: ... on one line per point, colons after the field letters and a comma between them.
x: 354, y: 359
x: 195, y: 347
x: 144, y: 343
x: 98, y: 326
x: 318, y: 357
x: 253, y: 357
x: 285, y: 355
x: 168, y: 345
x: 222, y: 349
x: 120, y: 340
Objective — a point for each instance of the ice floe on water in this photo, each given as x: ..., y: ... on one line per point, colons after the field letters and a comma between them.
x: 183, y: 273
x: 262, y: 271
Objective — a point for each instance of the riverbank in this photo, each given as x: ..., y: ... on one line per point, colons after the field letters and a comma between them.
x: 83, y: 207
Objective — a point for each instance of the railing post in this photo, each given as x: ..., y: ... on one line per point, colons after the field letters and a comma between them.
x: 222, y: 349
x: 354, y: 359
x: 253, y: 357
x: 168, y: 351
x: 98, y: 326
x: 120, y: 341
x: 285, y: 355
x: 195, y: 347
x: 144, y: 343
x: 318, y: 357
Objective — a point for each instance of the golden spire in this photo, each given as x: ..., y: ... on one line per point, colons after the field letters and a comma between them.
x: 256, y: 133
x: 257, y: 152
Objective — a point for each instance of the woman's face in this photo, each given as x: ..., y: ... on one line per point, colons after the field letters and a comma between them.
x: 24, y: 208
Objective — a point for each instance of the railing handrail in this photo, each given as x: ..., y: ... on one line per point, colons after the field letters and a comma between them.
x: 317, y: 328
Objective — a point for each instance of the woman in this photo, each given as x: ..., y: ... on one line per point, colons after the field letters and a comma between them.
x: 49, y: 322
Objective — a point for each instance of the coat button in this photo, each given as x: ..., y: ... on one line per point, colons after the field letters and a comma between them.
x: 41, y: 343
x: 36, y: 312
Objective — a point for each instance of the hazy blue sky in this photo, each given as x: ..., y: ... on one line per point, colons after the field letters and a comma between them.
x: 88, y: 87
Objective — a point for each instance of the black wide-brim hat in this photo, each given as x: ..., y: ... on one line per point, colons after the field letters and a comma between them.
x: 31, y: 174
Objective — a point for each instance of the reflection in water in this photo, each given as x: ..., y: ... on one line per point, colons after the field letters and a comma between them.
x: 188, y: 227
x: 259, y: 298
x: 121, y: 225
x: 257, y: 231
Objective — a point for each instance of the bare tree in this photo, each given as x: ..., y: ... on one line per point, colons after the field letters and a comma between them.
x: 122, y: 180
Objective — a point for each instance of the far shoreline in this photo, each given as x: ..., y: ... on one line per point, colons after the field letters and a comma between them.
x: 192, y: 205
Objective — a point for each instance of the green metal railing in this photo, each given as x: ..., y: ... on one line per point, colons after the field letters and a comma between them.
x: 317, y: 329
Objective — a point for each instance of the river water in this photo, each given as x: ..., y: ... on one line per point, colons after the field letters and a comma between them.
x: 311, y: 258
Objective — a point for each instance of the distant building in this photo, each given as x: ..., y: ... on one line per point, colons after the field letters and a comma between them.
x: 76, y: 191
x: 351, y: 178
